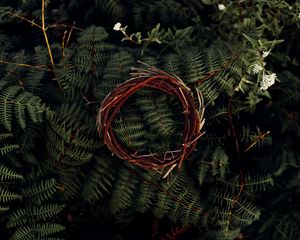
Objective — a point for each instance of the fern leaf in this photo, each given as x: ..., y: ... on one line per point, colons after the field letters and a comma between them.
x: 8, y: 174
x: 7, y: 196
x: 4, y: 136
x: 123, y: 193
x: 130, y: 128
x: 41, y: 191
x: 215, y: 163
x: 146, y: 193
x: 46, y: 229
x: 23, y: 233
x: 6, y: 105
x: 112, y: 7
x: 99, y: 180
x: 17, y: 217
x: 7, y: 148
x: 3, y: 209
x: 13, y: 98
x: 45, y: 211
x: 116, y: 71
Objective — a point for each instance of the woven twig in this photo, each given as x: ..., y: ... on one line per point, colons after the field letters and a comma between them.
x: 157, y: 79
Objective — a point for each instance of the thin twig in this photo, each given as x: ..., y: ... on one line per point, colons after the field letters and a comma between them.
x: 25, y: 65
x: 45, y: 34
x: 25, y: 20
x: 258, y: 139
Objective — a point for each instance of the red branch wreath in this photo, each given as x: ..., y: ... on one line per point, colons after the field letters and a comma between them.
x: 157, y: 79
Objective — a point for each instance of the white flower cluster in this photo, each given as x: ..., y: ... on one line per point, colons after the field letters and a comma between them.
x: 257, y: 68
x: 118, y: 27
x: 267, y: 81
x: 221, y: 7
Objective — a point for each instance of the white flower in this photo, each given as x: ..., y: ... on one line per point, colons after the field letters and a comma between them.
x: 117, y: 26
x: 265, y: 54
x: 221, y: 7
x: 257, y: 68
x: 267, y: 81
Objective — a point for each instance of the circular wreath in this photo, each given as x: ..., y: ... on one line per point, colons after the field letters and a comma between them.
x: 156, y: 79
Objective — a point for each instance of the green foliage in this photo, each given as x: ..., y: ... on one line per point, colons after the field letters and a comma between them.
x: 113, y: 8
x: 99, y: 180
x: 19, y: 105
x: 59, y: 181
x: 66, y: 145
x: 6, y: 196
x: 215, y: 163
x: 115, y: 72
x: 179, y: 200
x: 37, y: 231
x: 123, y: 193
x: 41, y: 191
x: 8, y: 174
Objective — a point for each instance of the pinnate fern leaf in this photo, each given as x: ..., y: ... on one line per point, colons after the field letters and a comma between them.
x: 7, y: 196
x: 15, y: 103
x: 41, y: 190
x: 8, y: 174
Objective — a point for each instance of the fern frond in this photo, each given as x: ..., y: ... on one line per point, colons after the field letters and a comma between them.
x: 231, y: 210
x: 168, y: 12
x: 67, y: 145
x: 23, y: 233
x: 123, y: 192
x: 210, y: 92
x: 7, y: 196
x: 3, y: 209
x: 131, y: 130
x: 13, y: 98
x: 27, y: 138
x: 37, y: 231
x: 146, y: 193
x: 189, y: 212
x: 195, y: 67
x: 99, y: 180
x: 17, y: 217
x: 173, y: 63
x: 5, y: 136
x: 252, y: 183
x: 7, y: 148
x: 45, y: 211
x: 46, y: 229
x: 179, y: 200
x: 157, y: 113
x: 116, y: 71
x: 8, y: 174
x: 70, y: 182
x: 90, y: 56
x: 40, y: 191
x: 214, y: 162
x: 216, y: 115
x: 113, y: 8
